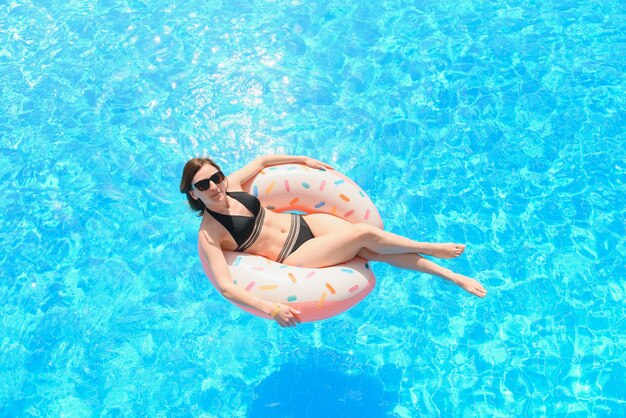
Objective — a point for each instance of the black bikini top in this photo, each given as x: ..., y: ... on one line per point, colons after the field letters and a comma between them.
x: 244, y: 229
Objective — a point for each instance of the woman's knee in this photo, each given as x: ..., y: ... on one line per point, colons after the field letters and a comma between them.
x: 364, y: 231
x: 370, y: 255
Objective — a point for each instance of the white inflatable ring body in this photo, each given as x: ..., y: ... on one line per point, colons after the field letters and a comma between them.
x: 318, y: 293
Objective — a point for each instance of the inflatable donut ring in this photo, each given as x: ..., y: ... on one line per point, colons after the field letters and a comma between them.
x: 318, y: 293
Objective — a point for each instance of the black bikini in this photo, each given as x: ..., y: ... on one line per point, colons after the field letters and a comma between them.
x: 299, y: 233
x: 245, y: 230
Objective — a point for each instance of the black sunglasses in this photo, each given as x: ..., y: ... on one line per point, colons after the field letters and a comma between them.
x: 203, y: 185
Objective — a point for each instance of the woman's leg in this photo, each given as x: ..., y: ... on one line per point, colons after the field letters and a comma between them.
x: 347, y: 241
x: 343, y: 245
x: 418, y: 263
x: 322, y: 224
x: 329, y: 249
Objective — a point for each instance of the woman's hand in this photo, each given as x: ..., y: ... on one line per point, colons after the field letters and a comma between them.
x: 313, y: 163
x: 285, y: 315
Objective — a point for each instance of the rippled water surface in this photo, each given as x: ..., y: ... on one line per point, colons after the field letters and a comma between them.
x: 498, y: 123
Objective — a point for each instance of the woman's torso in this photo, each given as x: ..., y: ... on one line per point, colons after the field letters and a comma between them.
x: 270, y: 240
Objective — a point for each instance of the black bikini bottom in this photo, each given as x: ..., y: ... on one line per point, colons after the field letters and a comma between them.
x: 299, y: 233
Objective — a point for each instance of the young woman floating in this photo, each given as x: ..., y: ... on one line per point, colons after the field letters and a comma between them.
x: 234, y: 220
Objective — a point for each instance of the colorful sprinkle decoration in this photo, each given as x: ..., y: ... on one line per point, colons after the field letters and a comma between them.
x: 330, y: 289
x: 270, y: 187
x: 320, y: 302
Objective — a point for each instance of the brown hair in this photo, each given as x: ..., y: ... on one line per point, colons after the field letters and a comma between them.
x: 190, y: 170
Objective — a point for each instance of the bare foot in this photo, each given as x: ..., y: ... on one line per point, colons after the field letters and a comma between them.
x: 471, y: 285
x: 449, y: 250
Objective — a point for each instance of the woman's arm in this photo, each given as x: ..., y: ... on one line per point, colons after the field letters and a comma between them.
x: 250, y: 170
x: 218, y: 269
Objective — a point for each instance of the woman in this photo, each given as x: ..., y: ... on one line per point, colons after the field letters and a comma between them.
x: 233, y: 220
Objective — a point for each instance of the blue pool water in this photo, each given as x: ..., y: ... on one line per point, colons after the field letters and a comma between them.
x: 499, y: 124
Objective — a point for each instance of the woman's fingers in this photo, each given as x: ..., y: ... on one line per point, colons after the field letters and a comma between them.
x: 288, y: 316
x: 290, y: 322
x: 324, y: 165
x: 295, y: 314
x: 313, y: 163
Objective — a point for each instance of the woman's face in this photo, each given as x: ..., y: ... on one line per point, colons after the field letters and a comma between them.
x: 214, y: 193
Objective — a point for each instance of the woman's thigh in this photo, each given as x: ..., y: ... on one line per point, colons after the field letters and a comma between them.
x: 322, y: 223
x: 327, y: 250
x: 336, y: 241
